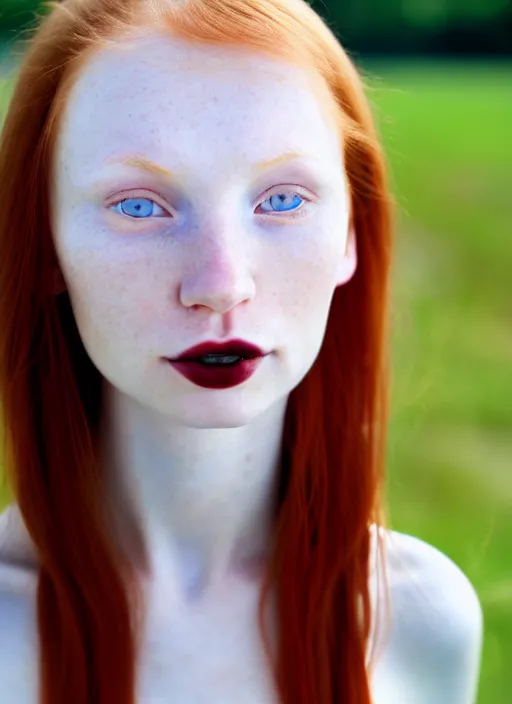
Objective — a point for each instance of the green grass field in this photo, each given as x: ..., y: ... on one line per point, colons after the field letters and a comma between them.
x: 447, y: 133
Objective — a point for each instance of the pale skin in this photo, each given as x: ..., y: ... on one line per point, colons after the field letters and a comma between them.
x: 191, y: 471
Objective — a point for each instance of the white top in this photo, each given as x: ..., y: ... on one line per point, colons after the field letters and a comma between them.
x: 432, y: 655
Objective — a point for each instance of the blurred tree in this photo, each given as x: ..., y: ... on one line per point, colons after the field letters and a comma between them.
x: 457, y: 27
x: 17, y: 14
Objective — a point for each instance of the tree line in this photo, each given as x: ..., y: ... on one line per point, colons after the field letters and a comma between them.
x: 392, y: 27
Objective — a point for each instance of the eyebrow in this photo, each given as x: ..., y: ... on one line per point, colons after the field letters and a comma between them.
x: 143, y: 164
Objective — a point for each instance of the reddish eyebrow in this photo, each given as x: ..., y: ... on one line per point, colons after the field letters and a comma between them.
x: 144, y: 164
x: 288, y: 156
x: 152, y: 167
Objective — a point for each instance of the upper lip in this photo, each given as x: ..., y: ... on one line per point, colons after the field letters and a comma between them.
x: 240, y: 348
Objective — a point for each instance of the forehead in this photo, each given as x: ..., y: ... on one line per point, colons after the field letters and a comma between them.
x: 163, y: 94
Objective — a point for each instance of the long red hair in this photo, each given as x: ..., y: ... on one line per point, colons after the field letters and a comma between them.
x: 334, y: 439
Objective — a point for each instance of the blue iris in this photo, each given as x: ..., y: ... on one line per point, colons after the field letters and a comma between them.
x: 137, y: 207
x: 280, y: 199
x: 145, y: 207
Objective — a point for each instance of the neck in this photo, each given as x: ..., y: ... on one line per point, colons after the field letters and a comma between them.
x: 201, y: 501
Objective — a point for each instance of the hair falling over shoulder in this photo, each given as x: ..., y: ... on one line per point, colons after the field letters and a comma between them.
x: 334, y: 441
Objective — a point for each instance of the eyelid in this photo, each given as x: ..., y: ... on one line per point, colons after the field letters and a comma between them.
x: 273, y: 190
x: 135, y: 193
x: 287, y: 188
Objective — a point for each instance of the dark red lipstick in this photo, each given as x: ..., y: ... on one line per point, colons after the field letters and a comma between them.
x: 219, y: 365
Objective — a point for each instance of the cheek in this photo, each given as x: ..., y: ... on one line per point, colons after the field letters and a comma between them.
x: 112, y: 294
x: 109, y: 279
x: 306, y: 275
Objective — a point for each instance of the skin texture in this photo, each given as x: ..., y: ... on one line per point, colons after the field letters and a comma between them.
x: 191, y: 470
x: 431, y: 654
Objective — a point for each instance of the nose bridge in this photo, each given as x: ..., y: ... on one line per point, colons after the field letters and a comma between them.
x: 219, y: 275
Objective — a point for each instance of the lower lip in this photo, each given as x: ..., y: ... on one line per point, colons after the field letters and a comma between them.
x: 210, y: 377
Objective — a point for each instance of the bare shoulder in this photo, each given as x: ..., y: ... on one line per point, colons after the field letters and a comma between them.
x: 17, y: 555
x: 434, y: 642
x: 18, y: 633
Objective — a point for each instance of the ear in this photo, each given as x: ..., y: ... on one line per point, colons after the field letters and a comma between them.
x: 348, y: 264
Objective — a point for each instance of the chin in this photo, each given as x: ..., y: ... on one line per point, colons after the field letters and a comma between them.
x: 219, y: 415
x: 225, y: 409
x: 214, y: 424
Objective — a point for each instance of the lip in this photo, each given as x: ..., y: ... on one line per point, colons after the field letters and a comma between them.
x: 217, y: 377
x: 241, y: 348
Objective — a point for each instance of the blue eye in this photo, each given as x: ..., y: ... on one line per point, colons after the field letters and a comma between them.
x: 138, y: 208
x: 144, y: 208
x: 281, y: 202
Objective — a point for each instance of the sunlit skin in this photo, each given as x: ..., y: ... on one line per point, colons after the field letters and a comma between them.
x: 215, y: 254
x: 200, y: 193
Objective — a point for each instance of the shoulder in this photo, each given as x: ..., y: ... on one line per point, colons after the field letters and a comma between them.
x: 17, y: 552
x: 432, y: 648
x: 18, y: 632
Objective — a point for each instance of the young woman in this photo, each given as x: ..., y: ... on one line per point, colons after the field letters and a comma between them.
x: 195, y: 240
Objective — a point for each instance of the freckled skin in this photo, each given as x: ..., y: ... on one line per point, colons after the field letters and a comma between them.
x: 145, y: 290
x: 196, y: 467
x: 189, y: 472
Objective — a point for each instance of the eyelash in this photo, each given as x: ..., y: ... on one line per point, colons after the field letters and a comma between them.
x: 133, y: 195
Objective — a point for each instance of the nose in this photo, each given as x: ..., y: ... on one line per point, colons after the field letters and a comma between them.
x: 219, y: 277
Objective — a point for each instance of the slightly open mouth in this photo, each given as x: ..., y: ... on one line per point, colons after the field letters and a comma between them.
x: 224, y: 360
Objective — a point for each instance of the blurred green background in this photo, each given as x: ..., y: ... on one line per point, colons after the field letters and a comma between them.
x: 440, y: 83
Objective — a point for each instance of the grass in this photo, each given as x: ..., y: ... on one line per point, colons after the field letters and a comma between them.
x: 446, y: 129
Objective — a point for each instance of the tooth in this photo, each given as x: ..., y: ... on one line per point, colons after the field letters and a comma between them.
x: 220, y: 359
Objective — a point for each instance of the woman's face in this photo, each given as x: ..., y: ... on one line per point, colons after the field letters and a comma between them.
x: 199, y: 195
